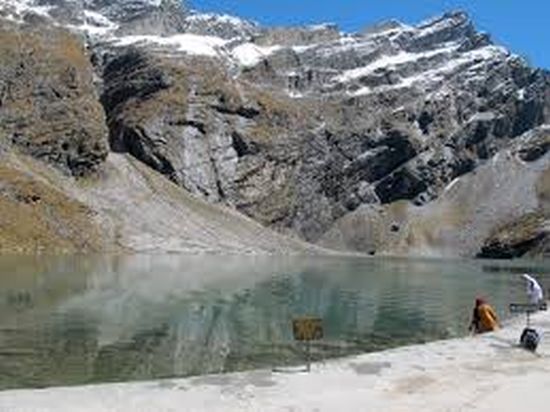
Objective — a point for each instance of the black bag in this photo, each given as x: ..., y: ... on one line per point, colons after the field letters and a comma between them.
x: 529, y: 339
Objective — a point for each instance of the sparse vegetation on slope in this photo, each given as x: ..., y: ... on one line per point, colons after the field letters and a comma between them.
x: 36, y: 217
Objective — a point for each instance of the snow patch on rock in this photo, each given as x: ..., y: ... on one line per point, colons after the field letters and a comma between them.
x: 223, y: 18
x: 249, y: 54
x: 391, y: 61
x: 470, y: 60
x: 187, y: 43
x: 14, y: 9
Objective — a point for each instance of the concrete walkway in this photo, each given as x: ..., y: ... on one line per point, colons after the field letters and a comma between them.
x: 483, y: 373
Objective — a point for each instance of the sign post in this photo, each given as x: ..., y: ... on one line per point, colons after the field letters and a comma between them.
x: 307, y: 329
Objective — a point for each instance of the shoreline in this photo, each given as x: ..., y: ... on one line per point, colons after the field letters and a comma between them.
x: 482, y: 373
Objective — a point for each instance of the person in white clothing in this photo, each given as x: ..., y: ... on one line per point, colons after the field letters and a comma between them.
x: 534, y: 290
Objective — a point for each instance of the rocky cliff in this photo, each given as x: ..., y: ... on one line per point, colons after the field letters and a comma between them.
x: 427, y: 140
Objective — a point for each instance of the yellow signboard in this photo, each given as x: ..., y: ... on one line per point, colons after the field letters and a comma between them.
x: 307, y: 328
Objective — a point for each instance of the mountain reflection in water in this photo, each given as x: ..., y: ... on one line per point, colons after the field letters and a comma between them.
x: 77, y: 320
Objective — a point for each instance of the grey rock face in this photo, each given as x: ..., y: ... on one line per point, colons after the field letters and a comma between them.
x: 162, y: 17
x: 136, y: 17
x: 100, y: 17
x: 534, y: 144
x: 327, y: 124
x: 298, y: 36
x: 225, y: 27
x: 119, y: 10
x: 66, y: 11
x: 455, y: 26
x: 127, y: 10
x: 517, y: 239
x: 155, y: 114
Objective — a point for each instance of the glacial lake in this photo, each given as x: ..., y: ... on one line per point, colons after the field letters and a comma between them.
x: 80, y: 320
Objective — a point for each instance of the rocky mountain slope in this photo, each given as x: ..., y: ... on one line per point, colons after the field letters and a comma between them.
x: 398, y: 139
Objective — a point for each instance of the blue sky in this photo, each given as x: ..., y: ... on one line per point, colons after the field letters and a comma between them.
x: 521, y: 25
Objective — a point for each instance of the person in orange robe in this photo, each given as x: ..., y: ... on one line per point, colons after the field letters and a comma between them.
x: 484, y: 318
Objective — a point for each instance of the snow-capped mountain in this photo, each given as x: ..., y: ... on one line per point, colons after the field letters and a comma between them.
x: 384, y: 58
x: 97, y: 17
x: 396, y: 139
x: 120, y: 11
x: 106, y: 18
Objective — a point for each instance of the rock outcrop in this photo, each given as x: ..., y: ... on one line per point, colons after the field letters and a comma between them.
x: 528, y: 234
x: 517, y: 239
x: 61, y: 193
x: 48, y: 105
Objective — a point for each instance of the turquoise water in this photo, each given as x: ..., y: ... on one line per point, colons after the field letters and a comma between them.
x: 78, y: 320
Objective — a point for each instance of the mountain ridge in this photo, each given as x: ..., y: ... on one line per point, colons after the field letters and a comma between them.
x: 308, y: 129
